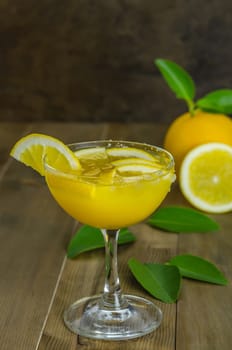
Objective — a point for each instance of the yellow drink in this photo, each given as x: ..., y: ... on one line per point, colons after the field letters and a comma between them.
x: 118, y: 185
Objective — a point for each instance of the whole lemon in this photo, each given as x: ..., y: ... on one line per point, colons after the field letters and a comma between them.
x: 188, y: 131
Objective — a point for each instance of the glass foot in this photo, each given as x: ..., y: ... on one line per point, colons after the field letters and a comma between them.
x: 86, y: 317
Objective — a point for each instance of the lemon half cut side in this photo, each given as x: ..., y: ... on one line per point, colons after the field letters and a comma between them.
x: 32, y: 149
x: 206, y: 177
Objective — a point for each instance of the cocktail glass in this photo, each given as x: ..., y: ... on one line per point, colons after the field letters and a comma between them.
x: 111, y: 201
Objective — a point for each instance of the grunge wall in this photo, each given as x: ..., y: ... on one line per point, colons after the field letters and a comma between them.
x: 88, y: 60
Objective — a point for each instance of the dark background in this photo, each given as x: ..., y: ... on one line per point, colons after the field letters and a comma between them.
x: 83, y: 60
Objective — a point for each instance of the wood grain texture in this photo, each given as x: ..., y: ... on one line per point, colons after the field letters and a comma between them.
x: 205, y: 306
x: 38, y: 282
x: 33, y: 237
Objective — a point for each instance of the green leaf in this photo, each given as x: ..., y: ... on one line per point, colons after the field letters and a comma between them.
x: 197, y: 268
x: 217, y: 101
x: 179, y: 81
x: 125, y: 236
x: 161, y: 281
x: 90, y: 238
x: 182, y: 220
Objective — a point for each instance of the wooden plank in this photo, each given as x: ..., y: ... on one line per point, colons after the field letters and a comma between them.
x: 204, y: 310
x: 34, y: 235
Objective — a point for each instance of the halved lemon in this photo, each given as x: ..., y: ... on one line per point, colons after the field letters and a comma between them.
x: 129, y: 152
x: 32, y: 149
x: 93, y: 153
x: 206, y: 177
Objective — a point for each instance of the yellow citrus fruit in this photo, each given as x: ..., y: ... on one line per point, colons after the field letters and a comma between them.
x: 32, y: 149
x: 187, y: 132
x: 206, y: 177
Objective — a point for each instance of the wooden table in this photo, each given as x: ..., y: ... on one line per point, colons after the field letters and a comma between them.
x: 37, y: 281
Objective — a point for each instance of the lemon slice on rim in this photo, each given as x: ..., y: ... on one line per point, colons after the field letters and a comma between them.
x: 206, y: 177
x: 129, y: 152
x: 32, y: 149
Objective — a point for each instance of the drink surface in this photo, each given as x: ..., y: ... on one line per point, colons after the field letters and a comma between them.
x: 117, y: 186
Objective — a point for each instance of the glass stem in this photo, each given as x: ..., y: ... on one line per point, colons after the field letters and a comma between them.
x: 112, y: 296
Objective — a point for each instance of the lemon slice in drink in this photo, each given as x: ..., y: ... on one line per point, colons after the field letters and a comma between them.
x: 136, y: 161
x: 93, y: 153
x: 135, y: 169
x: 206, y: 177
x: 129, y: 152
x: 132, y: 161
x: 107, y: 177
x: 32, y: 149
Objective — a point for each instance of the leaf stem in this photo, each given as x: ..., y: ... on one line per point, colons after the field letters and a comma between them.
x: 191, y: 107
